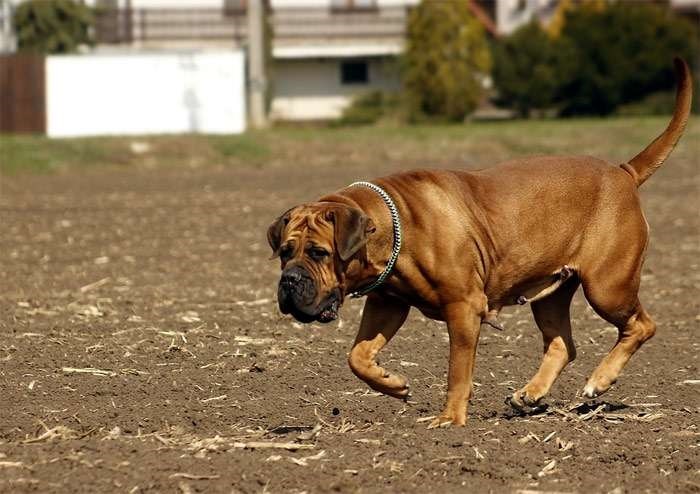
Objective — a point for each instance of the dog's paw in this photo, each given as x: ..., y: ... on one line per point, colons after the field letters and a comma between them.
x: 589, y: 392
x: 439, y: 423
x: 596, y: 386
x: 523, y: 403
x: 393, y: 385
x: 447, y: 419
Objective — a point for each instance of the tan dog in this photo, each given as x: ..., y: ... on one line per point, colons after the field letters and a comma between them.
x: 530, y: 230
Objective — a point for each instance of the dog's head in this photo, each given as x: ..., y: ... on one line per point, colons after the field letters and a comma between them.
x: 315, y: 243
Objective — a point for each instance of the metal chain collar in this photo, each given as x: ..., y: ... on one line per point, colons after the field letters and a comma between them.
x: 396, y: 223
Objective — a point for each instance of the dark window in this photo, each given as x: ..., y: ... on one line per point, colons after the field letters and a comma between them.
x: 354, y: 72
x: 235, y: 7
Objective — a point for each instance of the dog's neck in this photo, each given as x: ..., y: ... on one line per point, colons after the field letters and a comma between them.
x: 370, y: 261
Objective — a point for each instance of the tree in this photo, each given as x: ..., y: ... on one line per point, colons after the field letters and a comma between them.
x: 620, y: 54
x: 528, y: 69
x: 603, y: 57
x: 446, y: 58
x: 52, y: 26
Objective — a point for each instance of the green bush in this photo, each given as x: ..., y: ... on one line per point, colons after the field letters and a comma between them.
x: 52, y: 26
x: 369, y: 108
x: 364, y: 109
x: 445, y: 59
x: 659, y: 103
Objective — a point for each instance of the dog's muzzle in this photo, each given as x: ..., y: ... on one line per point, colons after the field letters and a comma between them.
x: 297, y: 294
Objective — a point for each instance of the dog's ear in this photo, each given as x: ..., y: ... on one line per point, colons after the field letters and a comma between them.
x: 351, y: 229
x: 274, y: 232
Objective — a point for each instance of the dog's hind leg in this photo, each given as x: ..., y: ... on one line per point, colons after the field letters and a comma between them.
x: 552, y: 317
x: 381, y: 318
x: 612, y: 289
x: 634, y: 328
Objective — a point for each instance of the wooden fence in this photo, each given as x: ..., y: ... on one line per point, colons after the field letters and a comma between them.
x: 22, y: 93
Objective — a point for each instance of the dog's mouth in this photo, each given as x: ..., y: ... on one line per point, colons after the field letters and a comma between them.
x: 329, y: 312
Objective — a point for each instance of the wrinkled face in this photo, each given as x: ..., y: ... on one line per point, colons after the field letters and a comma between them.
x: 314, y: 242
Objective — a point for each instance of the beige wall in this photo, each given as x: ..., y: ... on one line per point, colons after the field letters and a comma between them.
x: 311, y: 89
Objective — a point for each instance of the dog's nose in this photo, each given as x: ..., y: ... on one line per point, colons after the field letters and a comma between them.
x: 291, y: 277
x: 296, y: 287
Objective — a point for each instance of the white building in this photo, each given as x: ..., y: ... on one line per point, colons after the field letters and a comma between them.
x: 7, y: 39
x: 325, y: 52
x: 511, y: 14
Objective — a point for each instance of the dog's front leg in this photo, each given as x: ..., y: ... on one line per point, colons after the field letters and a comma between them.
x: 381, y: 319
x: 463, y: 323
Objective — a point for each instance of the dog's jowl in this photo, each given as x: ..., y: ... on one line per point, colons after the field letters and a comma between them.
x: 439, y: 241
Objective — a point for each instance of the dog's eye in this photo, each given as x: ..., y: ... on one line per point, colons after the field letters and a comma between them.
x: 286, y: 252
x: 318, y: 254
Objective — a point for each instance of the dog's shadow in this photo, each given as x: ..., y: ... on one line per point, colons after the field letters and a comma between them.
x: 580, y: 410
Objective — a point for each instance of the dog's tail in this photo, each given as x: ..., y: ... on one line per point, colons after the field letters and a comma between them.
x: 642, y: 166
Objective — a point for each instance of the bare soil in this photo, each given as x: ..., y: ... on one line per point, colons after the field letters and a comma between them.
x: 141, y: 350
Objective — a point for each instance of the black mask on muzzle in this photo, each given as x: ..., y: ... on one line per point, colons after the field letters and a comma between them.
x: 296, y: 295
